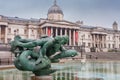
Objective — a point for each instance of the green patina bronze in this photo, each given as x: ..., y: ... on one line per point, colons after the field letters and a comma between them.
x: 27, y: 59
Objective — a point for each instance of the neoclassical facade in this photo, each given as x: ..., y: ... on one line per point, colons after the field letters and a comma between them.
x: 102, y: 39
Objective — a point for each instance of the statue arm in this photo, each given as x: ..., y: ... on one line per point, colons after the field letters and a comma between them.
x: 62, y: 48
x: 26, y: 45
x: 26, y: 40
x: 45, y: 46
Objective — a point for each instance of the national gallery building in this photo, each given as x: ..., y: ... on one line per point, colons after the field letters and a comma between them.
x: 80, y: 35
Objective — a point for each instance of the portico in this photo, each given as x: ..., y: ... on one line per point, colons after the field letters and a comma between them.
x: 98, y: 40
x: 55, y: 31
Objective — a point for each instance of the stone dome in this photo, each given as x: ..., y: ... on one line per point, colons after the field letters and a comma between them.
x: 115, y: 23
x: 55, y: 12
x: 55, y: 9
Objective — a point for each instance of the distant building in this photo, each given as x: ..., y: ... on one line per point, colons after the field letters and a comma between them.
x: 99, y: 38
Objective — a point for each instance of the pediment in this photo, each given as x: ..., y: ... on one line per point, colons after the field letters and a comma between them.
x: 62, y: 23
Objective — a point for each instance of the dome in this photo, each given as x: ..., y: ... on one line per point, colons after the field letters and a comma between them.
x: 55, y: 9
x: 115, y: 23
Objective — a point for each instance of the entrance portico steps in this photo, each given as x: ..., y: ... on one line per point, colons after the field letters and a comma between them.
x: 103, y: 55
x: 2, y: 67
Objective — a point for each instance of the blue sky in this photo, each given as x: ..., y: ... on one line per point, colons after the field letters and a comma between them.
x: 92, y: 12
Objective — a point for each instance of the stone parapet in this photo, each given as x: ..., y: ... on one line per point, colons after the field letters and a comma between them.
x: 49, y: 77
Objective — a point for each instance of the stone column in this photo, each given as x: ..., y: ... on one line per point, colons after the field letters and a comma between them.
x: 6, y: 32
x: 98, y: 40
x: 51, y: 31
x: 65, y: 31
x: 70, y: 37
x: 0, y: 33
x: 46, y: 30
x: 73, y: 37
x: 94, y: 39
x: 42, y: 31
x: 29, y: 32
x: 35, y: 30
x: 105, y: 41
x: 102, y: 41
x: 56, y: 31
x: 98, y: 43
x: 78, y: 38
x: 61, y: 32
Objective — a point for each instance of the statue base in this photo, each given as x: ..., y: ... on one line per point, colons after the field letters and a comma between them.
x: 49, y: 77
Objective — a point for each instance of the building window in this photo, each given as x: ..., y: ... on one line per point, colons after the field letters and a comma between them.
x: 89, y: 45
x: 9, y: 30
x: 83, y: 36
x: 83, y: 44
x: 58, y: 31
x: 104, y: 45
x: 109, y: 45
x: 113, y: 45
x: 25, y: 31
x: 96, y: 45
x: 101, y: 45
x: 113, y: 37
x: 93, y: 45
x: 88, y: 36
x: 32, y: 31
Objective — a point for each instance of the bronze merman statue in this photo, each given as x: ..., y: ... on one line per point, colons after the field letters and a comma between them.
x: 39, y: 62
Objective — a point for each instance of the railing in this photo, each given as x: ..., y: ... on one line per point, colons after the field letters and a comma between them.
x: 4, y: 47
x: 6, y: 61
x: 78, y: 48
x: 92, y: 57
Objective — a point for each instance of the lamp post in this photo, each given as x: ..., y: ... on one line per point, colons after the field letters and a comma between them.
x: 15, y: 32
x: 82, y: 46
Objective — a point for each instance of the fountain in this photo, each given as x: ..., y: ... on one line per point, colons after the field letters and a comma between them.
x: 27, y: 59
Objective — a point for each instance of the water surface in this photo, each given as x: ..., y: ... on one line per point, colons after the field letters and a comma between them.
x: 72, y: 71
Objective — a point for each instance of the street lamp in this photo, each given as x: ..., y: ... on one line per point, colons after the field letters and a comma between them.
x: 82, y: 46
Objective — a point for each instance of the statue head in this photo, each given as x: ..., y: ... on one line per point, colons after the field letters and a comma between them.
x: 17, y: 37
x: 63, y: 40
